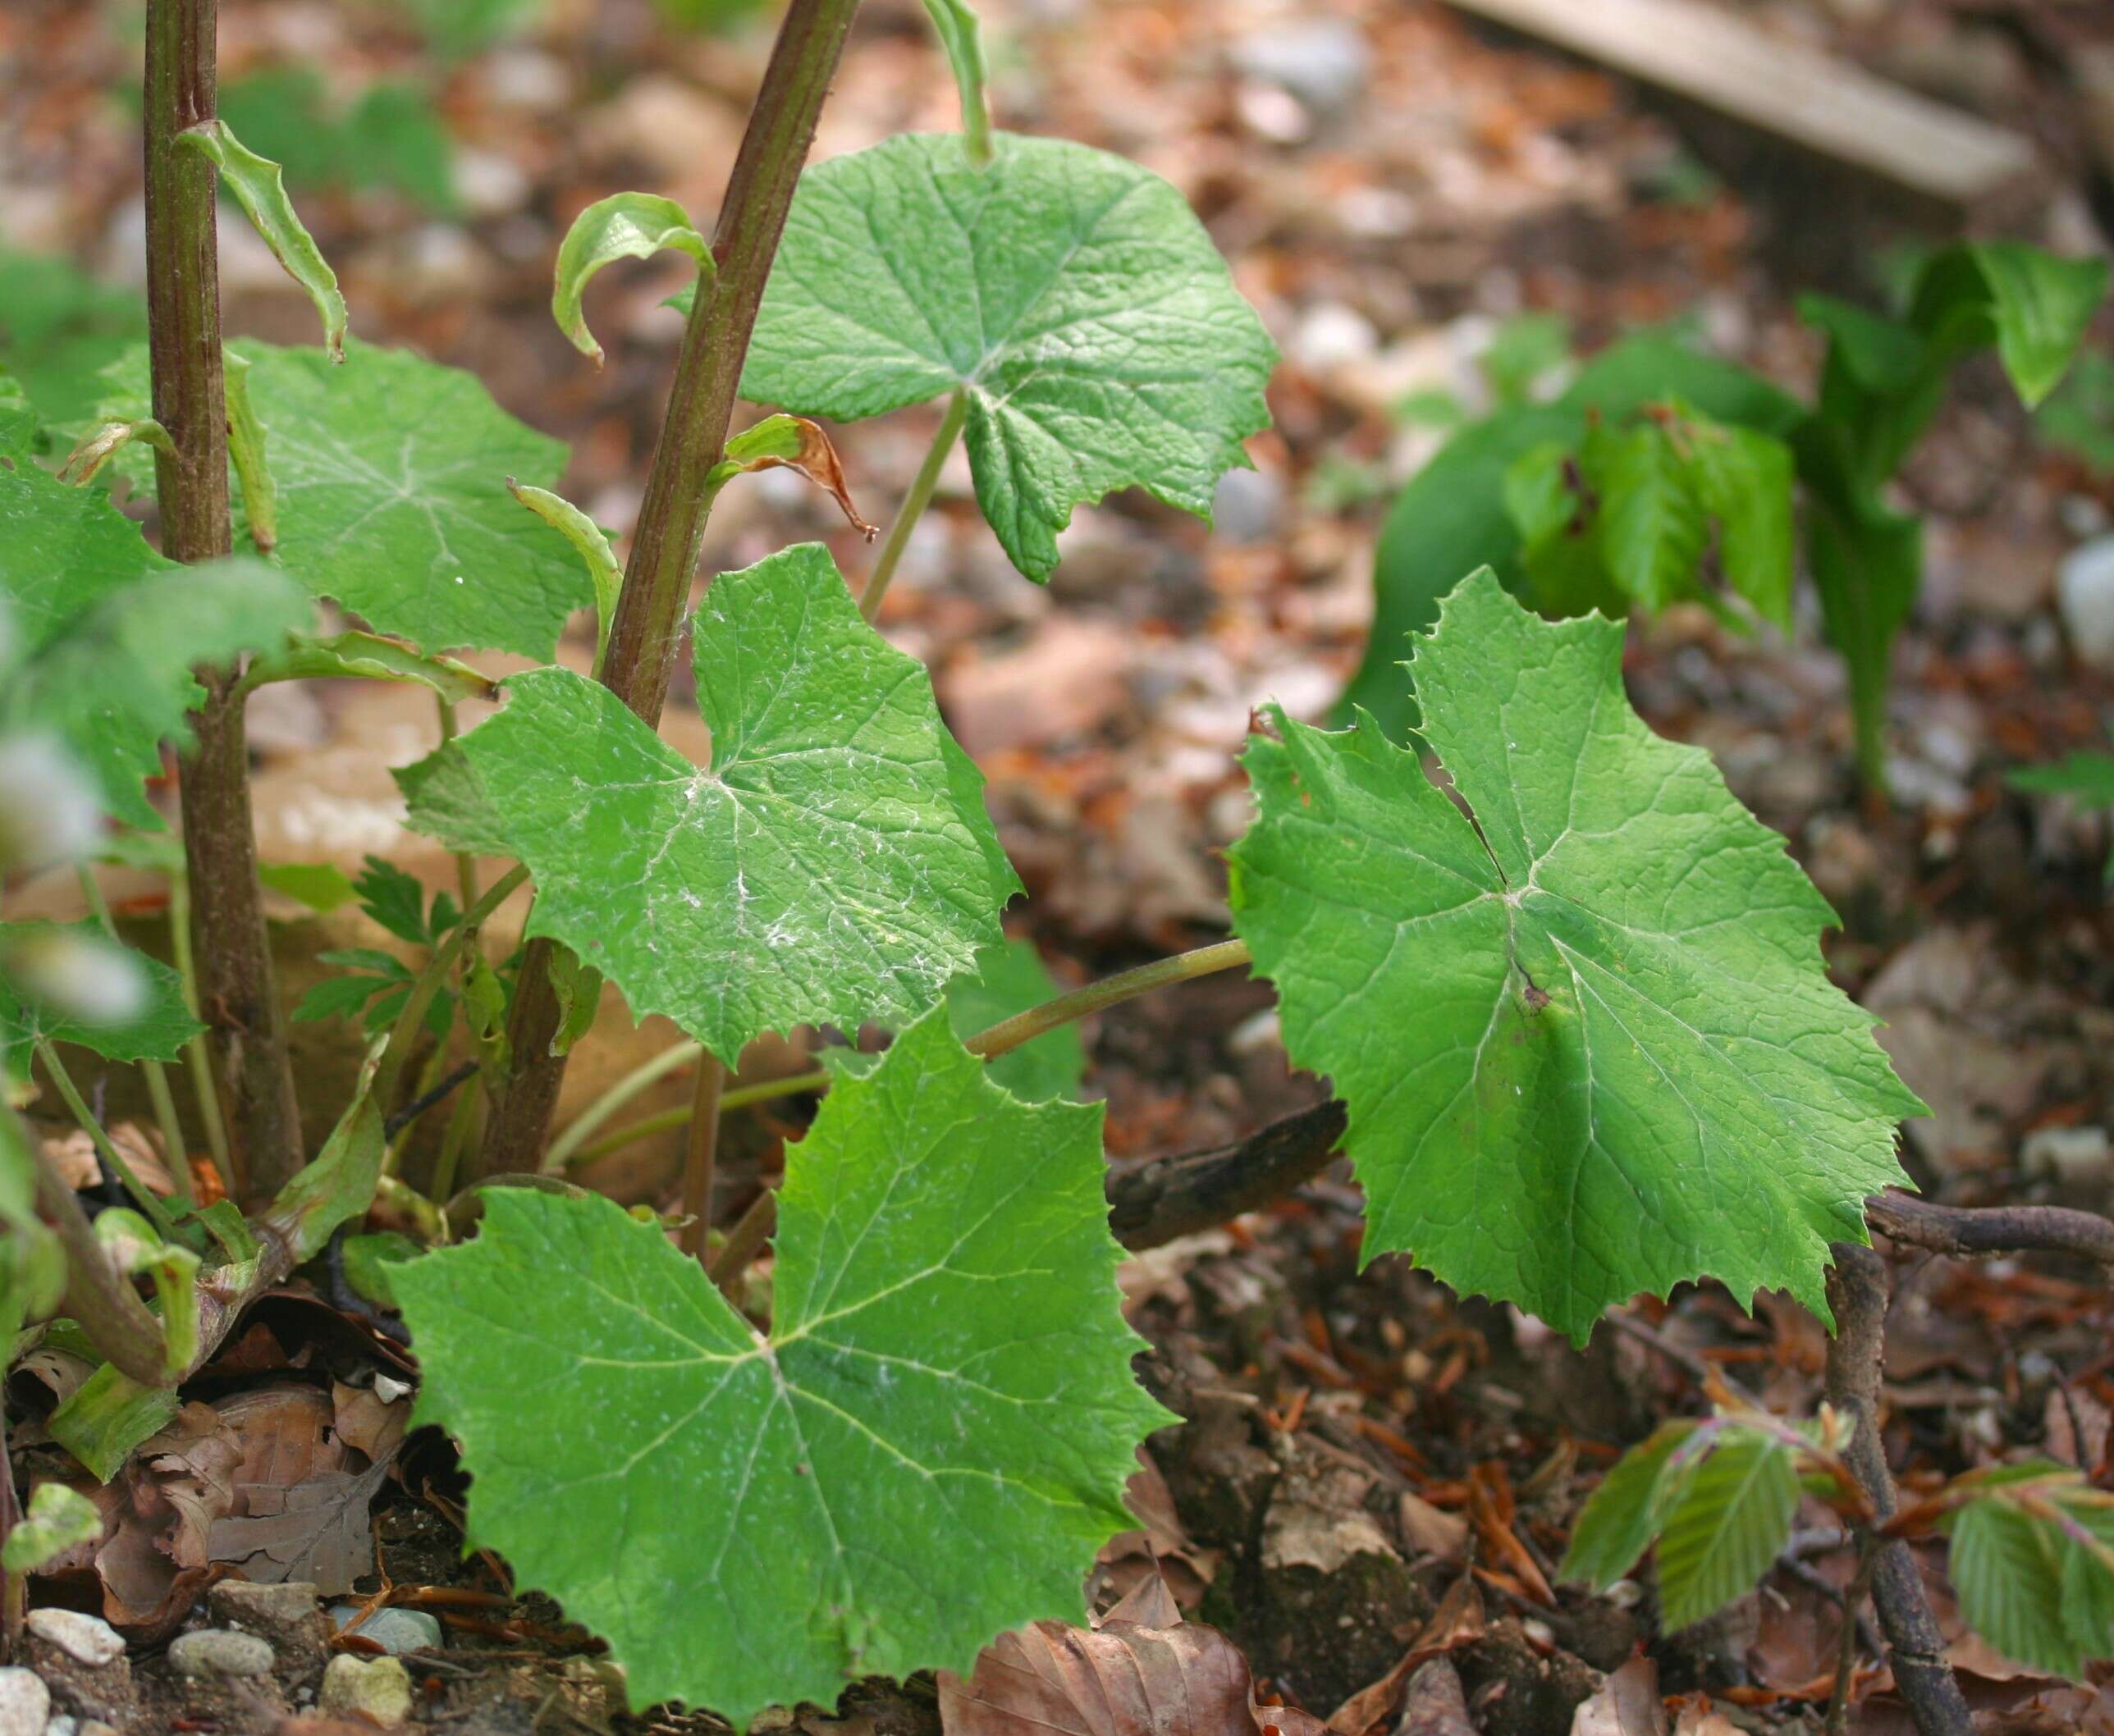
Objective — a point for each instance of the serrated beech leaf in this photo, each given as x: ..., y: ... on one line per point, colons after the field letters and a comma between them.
x: 1073, y: 295
x: 1725, y: 1526
x: 835, y: 863
x: 925, y: 1449
x: 1585, y: 1040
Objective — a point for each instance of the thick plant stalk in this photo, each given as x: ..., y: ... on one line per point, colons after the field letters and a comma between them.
x: 700, y: 1159
x: 1857, y: 1293
x: 237, y: 996
x: 645, y: 635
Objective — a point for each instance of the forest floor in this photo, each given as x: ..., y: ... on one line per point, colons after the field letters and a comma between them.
x: 1370, y: 1468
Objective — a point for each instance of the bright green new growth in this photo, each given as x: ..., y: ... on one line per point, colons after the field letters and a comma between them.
x: 955, y: 23
x: 1631, y: 514
x: 626, y: 225
x: 107, y: 631
x: 1586, y: 1043
x: 260, y: 190
x: 591, y: 546
x: 2033, y: 1560
x: 390, y: 477
x: 58, y: 1519
x: 1718, y: 1497
x: 834, y: 864
x: 926, y: 1449
x: 1074, y: 296
x: 154, y: 1029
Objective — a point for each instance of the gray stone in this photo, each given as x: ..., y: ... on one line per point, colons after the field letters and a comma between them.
x: 25, y: 1703
x: 287, y: 1615
x: 220, y: 1651
x: 376, y: 1689
x: 1248, y: 505
x: 2084, y: 590
x: 62, y: 1724
x: 394, y: 1631
x: 1323, y: 62
x: 87, y: 1639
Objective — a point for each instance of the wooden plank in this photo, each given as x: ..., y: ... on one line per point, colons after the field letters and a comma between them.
x: 1835, y: 110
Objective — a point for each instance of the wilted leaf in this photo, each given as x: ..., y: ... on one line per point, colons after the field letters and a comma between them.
x: 796, y: 444
x: 260, y: 190
x: 626, y: 225
x: 1140, y: 1671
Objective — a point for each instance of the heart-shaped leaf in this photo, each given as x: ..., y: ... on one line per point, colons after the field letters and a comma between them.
x: 925, y: 1449
x: 1586, y: 1040
x: 1074, y: 296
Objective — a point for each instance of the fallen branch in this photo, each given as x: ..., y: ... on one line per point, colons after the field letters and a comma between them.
x: 1857, y: 1293
x: 1991, y: 1229
x: 1160, y: 1198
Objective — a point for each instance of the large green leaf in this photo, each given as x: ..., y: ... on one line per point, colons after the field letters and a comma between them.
x: 1585, y: 1040
x: 109, y: 630
x: 1725, y: 1527
x: 392, y: 474
x: 153, y: 1024
x: 925, y: 1449
x: 1072, y: 295
x: 835, y: 864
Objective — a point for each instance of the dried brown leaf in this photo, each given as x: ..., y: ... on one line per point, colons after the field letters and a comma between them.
x: 1627, y: 1704
x: 1127, y: 1678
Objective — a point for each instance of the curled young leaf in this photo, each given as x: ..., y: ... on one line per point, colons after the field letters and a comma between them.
x: 97, y: 446
x: 260, y: 190
x: 366, y: 657
x: 626, y: 225
x: 797, y: 444
x: 955, y: 23
x: 585, y: 535
x: 246, y: 452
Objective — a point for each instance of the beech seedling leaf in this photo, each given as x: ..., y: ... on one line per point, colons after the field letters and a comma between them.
x: 835, y: 863
x: 926, y: 1448
x: 626, y: 225
x: 1074, y: 296
x: 1584, y: 1037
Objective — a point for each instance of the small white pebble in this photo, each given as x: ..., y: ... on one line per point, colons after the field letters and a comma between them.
x: 25, y: 1703
x: 86, y: 1639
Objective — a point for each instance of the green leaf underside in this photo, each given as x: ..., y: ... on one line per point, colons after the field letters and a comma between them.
x: 1586, y: 1043
x: 1074, y: 296
x: 2027, y: 1584
x: 1007, y: 979
x: 392, y: 474
x: 109, y: 629
x: 1618, y: 1524
x: 927, y: 1449
x: 158, y: 1034
x: 1726, y: 1526
x: 835, y: 864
